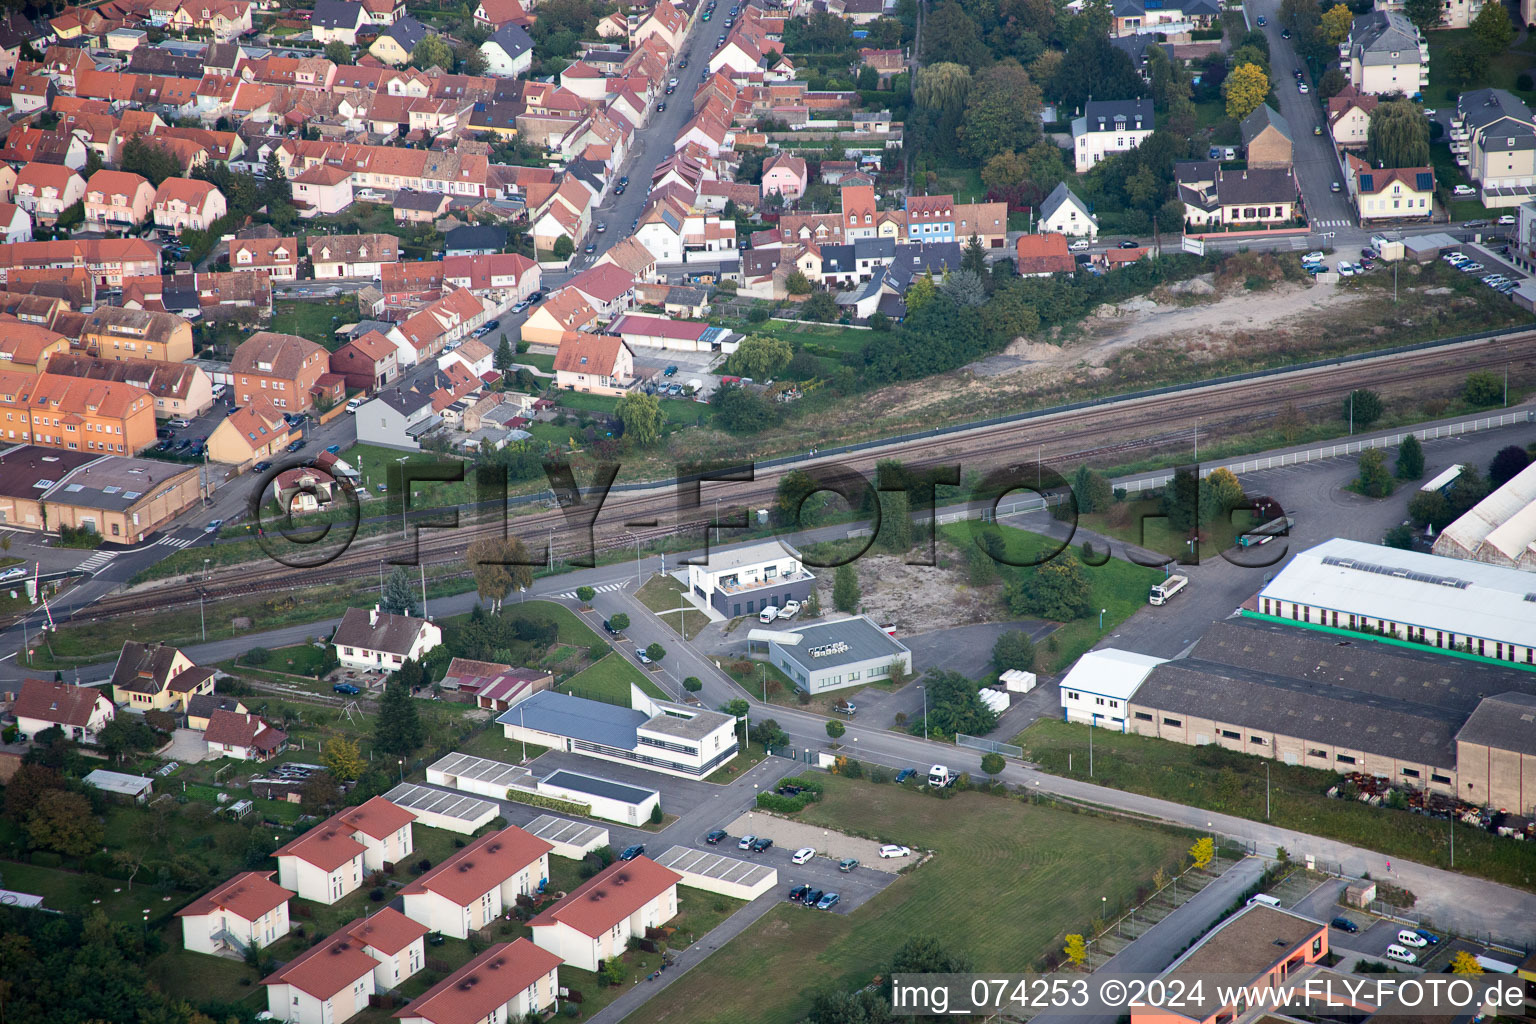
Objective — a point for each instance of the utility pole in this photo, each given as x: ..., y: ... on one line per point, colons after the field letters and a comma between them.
x: 1092, y: 725
x: 1266, y: 791
x: 423, y: 568
x: 1351, y: 414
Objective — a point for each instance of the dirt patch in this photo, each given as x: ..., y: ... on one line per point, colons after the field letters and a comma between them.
x: 915, y: 598
x: 792, y: 835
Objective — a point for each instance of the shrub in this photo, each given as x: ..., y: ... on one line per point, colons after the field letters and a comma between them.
x: 693, y: 684
x: 258, y: 656
x: 656, y: 816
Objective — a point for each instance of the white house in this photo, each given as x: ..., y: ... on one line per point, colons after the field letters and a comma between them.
x: 369, y: 639
x: 745, y: 580
x: 472, y: 888
x: 509, y: 51
x: 1063, y: 213
x: 1101, y: 684
x: 595, y: 921
x: 328, y: 983
x: 324, y: 864
x: 15, y: 224
x: 81, y: 711
x: 243, y: 736
x: 248, y: 909
x: 506, y: 983
x: 1109, y: 127
x: 337, y: 21
x: 395, y: 942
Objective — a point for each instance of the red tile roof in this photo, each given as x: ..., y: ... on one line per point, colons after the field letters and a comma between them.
x: 325, y: 969
x: 378, y: 818
x: 56, y: 702
x: 248, y: 895
x: 608, y: 897
x: 388, y: 931
x: 492, y: 979
x: 247, y: 730
x: 481, y: 866
x: 327, y: 846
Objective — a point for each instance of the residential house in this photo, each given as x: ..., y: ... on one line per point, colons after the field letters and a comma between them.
x: 248, y: 910
x: 509, y: 981
x: 368, y: 363
x: 1173, y: 18
x: 858, y: 212
x: 1385, y: 53
x: 1349, y: 118
x: 55, y: 411
x: 594, y: 363
x: 930, y: 218
x: 445, y: 321
x: 596, y: 919
x: 1109, y: 127
x: 157, y: 677
x: 15, y: 224
x: 1044, y: 255
x: 985, y: 222
x: 785, y: 176
x: 118, y: 201
x: 244, y: 737
x: 1063, y: 213
x: 278, y: 256
x: 369, y: 639
x: 565, y: 311
x: 180, y: 390
x: 337, y: 21
x: 475, y: 355
x: 223, y: 20
x: 608, y: 289
x: 494, y: 686
x: 394, y: 45
x: 284, y: 368
x: 1390, y: 193
x: 328, y: 983
x: 1248, y: 198
x: 397, y: 943
x: 183, y: 204
x: 508, y: 52
x: 201, y: 708
x: 252, y: 433
x: 1493, y: 138
x: 1267, y: 140
x: 322, y: 190
x: 475, y: 240
x: 887, y: 63
x: 46, y: 190
x: 493, y: 14
x: 473, y: 887
x: 420, y: 207
x: 352, y: 256
x: 397, y: 418
x: 499, y: 279
x: 111, y: 332
x: 631, y: 255
x: 29, y: 347
x: 80, y: 711
x: 384, y: 12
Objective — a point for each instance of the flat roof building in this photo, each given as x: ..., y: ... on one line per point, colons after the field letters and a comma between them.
x: 1098, y: 688
x: 745, y: 580
x: 125, y: 499
x: 613, y: 801
x: 1451, y: 604
x: 653, y: 734
x: 824, y: 656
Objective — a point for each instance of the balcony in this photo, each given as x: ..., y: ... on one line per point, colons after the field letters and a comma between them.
x: 778, y: 581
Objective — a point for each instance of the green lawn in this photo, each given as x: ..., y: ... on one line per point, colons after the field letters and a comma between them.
x: 609, y: 680
x: 664, y: 594
x: 1008, y: 881
x: 72, y: 892
x: 375, y: 464
x: 1234, y: 783
x: 1447, y: 173
x: 832, y: 337
x: 199, y: 978
x: 315, y: 319
x: 1499, y: 72
x: 1143, y: 524
x: 675, y: 412
x: 963, y: 181
x: 1118, y: 586
x: 298, y: 660
x: 544, y: 361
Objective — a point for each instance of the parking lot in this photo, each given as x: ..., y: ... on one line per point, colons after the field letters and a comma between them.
x: 651, y: 364
x: 853, y: 888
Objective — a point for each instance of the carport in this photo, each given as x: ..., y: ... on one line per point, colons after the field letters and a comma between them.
x: 440, y: 809
x: 477, y: 775
x: 714, y: 872
x: 573, y: 839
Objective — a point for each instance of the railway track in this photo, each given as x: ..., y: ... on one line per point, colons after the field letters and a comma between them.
x: 1097, y: 433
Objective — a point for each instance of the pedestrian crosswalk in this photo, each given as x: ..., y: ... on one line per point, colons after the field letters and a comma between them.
x: 1327, y: 225
x: 606, y: 588
x: 96, y: 561
x: 174, y: 542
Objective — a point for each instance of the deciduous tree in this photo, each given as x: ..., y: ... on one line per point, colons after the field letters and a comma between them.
x: 343, y: 759
x: 951, y: 35
x: 1013, y: 650
x: 761, y: 356
x: 845, y: 588
x: 993, y: 764
x: 499, y: 564
x: 1465, y: 963
x: 641, y: 415
x: 1245, y: 90
x: 1226, y: 489
x: 1483, y: 388
x: 1076, y: 950
x: 1202, y: 852
x: 836, y: 729
x: 1004, y: 169
x: 1058, y: 590
x: 62, y: 822
x: 1361, y: 407
x: 1508, y: 462
x: 1002, y: 112
x: 432, y: 52
x: 1425, y: 14
x: 1397, y: 135
x: 1335, y: 24
x: 1373, y: 479
x: 1493, y: 30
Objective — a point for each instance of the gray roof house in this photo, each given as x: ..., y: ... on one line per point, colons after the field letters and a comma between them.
x: 1267, y: 139
x: 397, y: 418
x: 1063, y: 213
x: 407, y: 32
x: 338, y: 16
x: 509, y: 52
x: 1385, y: 54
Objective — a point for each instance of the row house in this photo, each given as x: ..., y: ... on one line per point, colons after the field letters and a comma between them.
x: 312, y: 73
x: 118, y: 201
x: 46, y: 190
x: 56, y: 411
x: 500, y: 279
x: 106, y: 260
x: 224, y: 20
x: 445, y: 321
x: 411, y: 284
x: 510, y: 981
x: 279, y: 257
x: 348, y: 256
x: 29, y: 347
x: 111, y: 332
x: 180, y: 390
x: 254, y: 432
x: 389, y: 168
x: 557, y: 317
x: 24, y: 144
x: 322, y: 190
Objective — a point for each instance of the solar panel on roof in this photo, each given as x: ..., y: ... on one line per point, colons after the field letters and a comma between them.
x: 1402, y: 574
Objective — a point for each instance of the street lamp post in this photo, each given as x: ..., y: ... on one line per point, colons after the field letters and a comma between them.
x: 401, y: 761
x: 925, y: 710
x: 1266, y: 791
x: 1101, y: 618
x: 202, y: 620
x: 636, y: 539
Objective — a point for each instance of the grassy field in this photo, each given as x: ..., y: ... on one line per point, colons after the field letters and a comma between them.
x: 198, y: 978
x: 1233, y: 783
x: 664, y: 594
x: 545, y: 361
x: 315, y: 319
x: 1499, y: 72
x: 609, y: 680
x: 1118, y: 587
x: 1008, y: 881
x: 1141, y: 523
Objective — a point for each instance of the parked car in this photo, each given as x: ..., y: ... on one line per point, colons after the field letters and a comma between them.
x: 347, y: 688
x: 827, y: 902
x: 608, y: 627
x: 790, y: 610
x: 889, y: 851
x: 811, y: 898
x: 1401, y: 955
x: 1335, y: 187
x: 354, y: 404
x: 714, y: 837
x: 493, y: 325
x: 1344, y: 924
x: 261, y: 467
x: 670, y: 371
x: 631, y: 852
x: 761, y: 843
x: 1130, y: 244
x: 1411, y: 938
x: 1262, y: 21
x: 671, y: 89
x: 1081, y: 245
x: 1469, y: 268
x: 333, y: 449
x: 1507, y: 219
x: 798, y: 893
x: 682, y: 63
x: 1313, y: 257
x: 788, y: 791
x: 601, y: 227
x: 179, y: 422
x: 1430, y: 111
x: 1302, y: 87
x: 1428, y: 936
x: 296, y: 445
x: 746, y: 842
x: 213, y: 526
x: 1346, y: 269
x: 591, y: 248
x: 904, y: 775
x: 645, y: 659
x: 661, y: 107
x: 847, y: 864
x: 519, y: 307
x: 803, y: 854
x: 1463, y: 190
x: 846, y: 707
x: 1285, y: 33
x: 15, y: 573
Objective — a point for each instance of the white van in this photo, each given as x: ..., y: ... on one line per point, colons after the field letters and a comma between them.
x: 768, y: 614
x: 1411, y: 939
x: 1398, y: 953
x: 1266, y: 900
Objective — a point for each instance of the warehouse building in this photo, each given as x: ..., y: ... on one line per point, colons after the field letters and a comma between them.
x: 1420, y: 719
x: 1445, y: 603
x: 1500, y: 529
x: 1099, y: 686
x: 653, y: 734
x: 835, y: 655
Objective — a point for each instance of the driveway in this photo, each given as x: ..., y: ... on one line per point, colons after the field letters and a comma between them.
x: 188, y: 746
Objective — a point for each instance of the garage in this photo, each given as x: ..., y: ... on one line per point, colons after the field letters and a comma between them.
x: 613, y: 801
x: 573, y: 839
x: 439, y: 809
x: 478, y: 775
x: 714, y: 872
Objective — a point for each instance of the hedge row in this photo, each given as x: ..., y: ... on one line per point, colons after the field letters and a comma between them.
x: 549, y: 803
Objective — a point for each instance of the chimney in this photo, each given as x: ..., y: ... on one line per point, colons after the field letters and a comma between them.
x: 373, y: 616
